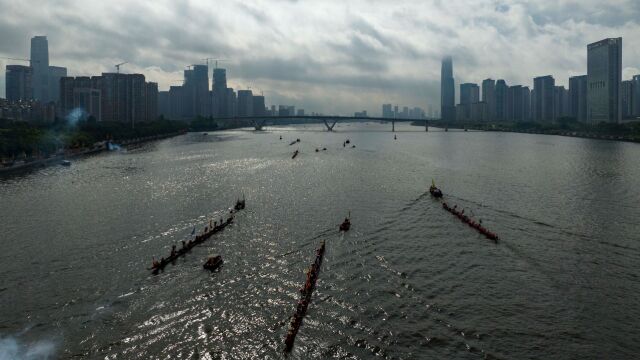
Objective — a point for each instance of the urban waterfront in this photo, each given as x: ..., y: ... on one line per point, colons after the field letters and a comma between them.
x: 407, y: 281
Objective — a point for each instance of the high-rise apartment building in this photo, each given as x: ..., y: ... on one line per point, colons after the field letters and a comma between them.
x: 125, y: 98
x: 151, y: 101
x: 245, y: 103
x: 469, y: 94
x: 636, y: 96
x: 626, y: 101
x: 543, y: 107
x: 387, y: 111
x: 578, y: 97
x: 55, y: 74
x: 258, y: 106
x: 561, y: 102
x: 219, y: 96
x: 501, y: 100
x: 489, y: 97
x: 18, y: 82
x: 518, y: 103
x: 604, y: 72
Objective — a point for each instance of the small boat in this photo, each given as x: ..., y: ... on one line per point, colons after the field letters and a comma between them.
x: 205, y: 134
x: 295, y: 154
x: 435, y: 192
x: 213, y: 263
x: 395, y: 137
x: 346, y: 224
x: 324, y: 149
x: 65, y: 163
x: 317, y: 150
x: 240, y: 204
x: 292, y: 143
x: 348, y: 141
x: 353, y: 146
x: 280, y: 137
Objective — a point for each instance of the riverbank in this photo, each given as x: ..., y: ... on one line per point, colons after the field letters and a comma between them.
x: 76, y: 153
x: 578, y: 134
x: 628, y: 132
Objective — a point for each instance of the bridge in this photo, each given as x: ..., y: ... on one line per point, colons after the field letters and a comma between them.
x: 329, y: 121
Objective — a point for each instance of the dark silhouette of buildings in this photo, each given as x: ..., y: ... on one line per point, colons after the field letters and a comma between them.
x: 125, y: 98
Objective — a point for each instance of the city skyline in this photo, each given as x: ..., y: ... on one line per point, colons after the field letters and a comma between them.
x: 388, y: 54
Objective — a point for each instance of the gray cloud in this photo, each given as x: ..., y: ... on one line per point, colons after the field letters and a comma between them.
x: 329, y: 56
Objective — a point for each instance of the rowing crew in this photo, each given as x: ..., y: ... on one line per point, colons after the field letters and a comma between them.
x: 186, y: 245
x: 476, y: 225
x: 303, y: 303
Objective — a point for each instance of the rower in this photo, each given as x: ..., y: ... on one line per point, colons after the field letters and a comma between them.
x: 184, y: 244
x: 155, y: 262
x: 173, y: 250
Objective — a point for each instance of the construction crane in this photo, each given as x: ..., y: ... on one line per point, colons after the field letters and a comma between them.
x: 118, y: 66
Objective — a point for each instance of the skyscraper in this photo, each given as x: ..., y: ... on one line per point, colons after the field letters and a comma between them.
x: 189, y: 94
x: 387, y: 112
x: 258, y: 105
x: 544, y: 87
x: 151, y: 98
x: 231, y: 103
x: 220, y: 102
x: 175, y: 102
x: 164, y: 108
x: 469, y: 94
x: 447, y: 90
x: 489, y: 97
x: 561, y: 104
x: 83, y: 93
x: 200, y: 90
x: 55, y: 74
x: 604, y: 72
x: 626, y: 95
x: 18, y: 83
x: 40, y: 66
x: 245, y: 103
x: 518, y: 102
x: 636, y: 95
x: 578, y: 97
x: 501, y: 100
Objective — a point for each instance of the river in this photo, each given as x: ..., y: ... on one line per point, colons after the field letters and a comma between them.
x: 409, y: 281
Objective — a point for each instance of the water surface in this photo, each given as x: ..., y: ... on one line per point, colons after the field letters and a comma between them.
x: 408, y: 281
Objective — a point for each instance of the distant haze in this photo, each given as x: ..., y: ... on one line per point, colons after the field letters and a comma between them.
x: 330, y: 56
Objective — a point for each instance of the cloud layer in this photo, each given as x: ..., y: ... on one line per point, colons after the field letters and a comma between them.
x: 328, y: 56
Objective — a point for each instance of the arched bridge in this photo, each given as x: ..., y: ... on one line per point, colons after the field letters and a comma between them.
x: 329, y: 121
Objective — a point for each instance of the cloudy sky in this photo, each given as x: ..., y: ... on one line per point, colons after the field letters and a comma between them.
x: 324, y: 55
